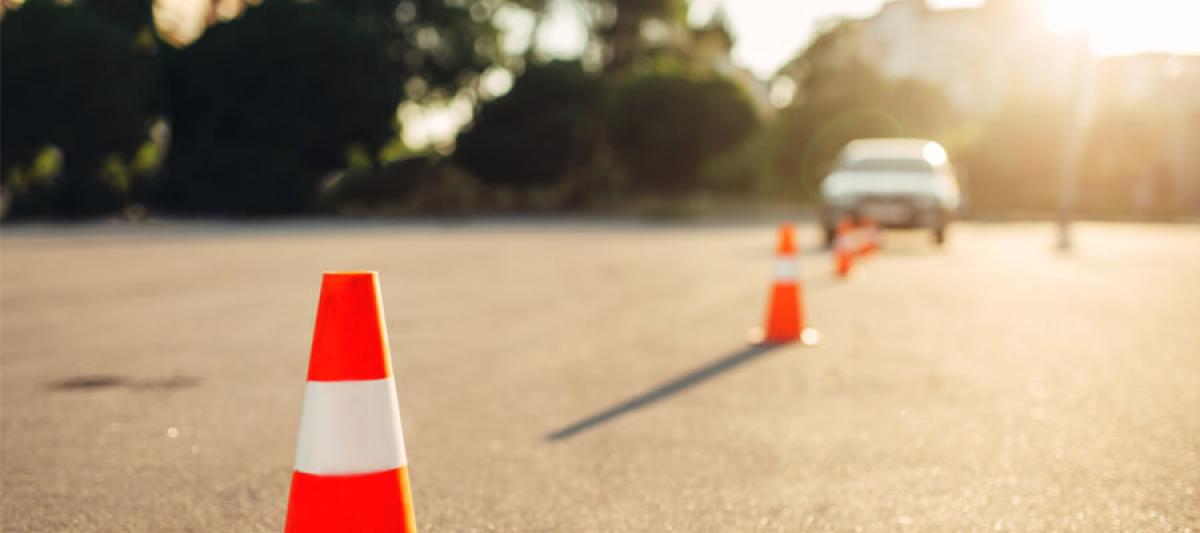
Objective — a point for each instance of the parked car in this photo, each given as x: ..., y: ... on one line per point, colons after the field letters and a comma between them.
x: 898, y: 183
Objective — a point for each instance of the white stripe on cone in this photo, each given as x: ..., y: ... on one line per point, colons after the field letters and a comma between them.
x: 845, y: 242
x: 350, y: 427
x: 786, y: 268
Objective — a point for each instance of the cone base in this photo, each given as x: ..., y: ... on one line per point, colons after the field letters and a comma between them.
x: 379, y: 501
x: 807, y: 337
x: 843, y: 264
x: 785, y: 318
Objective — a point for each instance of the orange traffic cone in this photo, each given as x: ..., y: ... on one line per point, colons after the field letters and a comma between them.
x: 843, y: 245
x: 785, y: 312
x: 351, y: 471
x: 869, y: 234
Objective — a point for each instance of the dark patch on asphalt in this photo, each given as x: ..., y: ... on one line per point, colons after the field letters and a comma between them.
x: 88, y: 382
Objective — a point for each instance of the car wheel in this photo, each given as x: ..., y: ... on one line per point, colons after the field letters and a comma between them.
x: 939, y: 235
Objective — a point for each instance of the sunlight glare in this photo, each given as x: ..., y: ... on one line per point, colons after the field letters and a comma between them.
x: 1068, y: 16
x: 1127, y: 27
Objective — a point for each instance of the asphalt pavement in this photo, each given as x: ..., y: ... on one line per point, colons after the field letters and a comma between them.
x: 596, y: 376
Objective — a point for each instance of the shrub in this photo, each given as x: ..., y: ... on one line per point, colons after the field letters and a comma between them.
x: 422, y: 184
x: 76, y: 105
x: 263, y: 106
x: 663, y: 126
x: 544, y: 130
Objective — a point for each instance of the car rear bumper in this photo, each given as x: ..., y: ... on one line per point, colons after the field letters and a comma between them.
x: 888, y: 212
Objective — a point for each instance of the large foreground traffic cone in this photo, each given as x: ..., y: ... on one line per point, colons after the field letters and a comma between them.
x: 785, y: 312
x: 843, y: 249
x: 351, y: 472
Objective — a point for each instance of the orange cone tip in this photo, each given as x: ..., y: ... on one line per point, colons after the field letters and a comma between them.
x: 349, y: 340
x: 351, y: 471
x: 787, y: 240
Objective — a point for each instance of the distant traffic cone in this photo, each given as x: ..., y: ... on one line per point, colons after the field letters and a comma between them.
x: 785, y: 312
x: 843, y: 248
x: 868, y: 236
x: 351, y: 471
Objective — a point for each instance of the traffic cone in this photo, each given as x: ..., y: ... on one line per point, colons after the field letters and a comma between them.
x: 785, y: 312
x: 869, y: 234
x: 351, y: 471
x: 843, y: 246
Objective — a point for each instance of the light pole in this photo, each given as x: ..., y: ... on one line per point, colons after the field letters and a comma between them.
x: 1081, y: 118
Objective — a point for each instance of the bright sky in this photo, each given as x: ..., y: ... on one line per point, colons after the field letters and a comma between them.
x: 1122, y: 27
x: 769, y: 32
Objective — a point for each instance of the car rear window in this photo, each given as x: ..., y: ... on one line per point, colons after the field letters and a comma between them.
x: 888, y: 165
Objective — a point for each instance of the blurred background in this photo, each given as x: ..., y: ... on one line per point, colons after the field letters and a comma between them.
x: 278, y: 107
x: 595, y: 367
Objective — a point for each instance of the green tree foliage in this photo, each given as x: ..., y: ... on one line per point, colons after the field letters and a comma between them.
x: 421, y: 184
x: 664, y: 126
x: 440, y: 44
x: 617, y: 26
x: 263, y: 106
x: 539, y: 133
x: 134, y: 17
x: 76, y: 104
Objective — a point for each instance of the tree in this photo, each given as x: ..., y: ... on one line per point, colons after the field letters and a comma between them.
x: 539, y: 133
x: 134, y: 17
x: 841, y: 97
x: 261, y: 107
x: 831, y: 64
x: 617, y: 26
x: 76, y: 103
x: 436, y: 44
x: 664, y: 126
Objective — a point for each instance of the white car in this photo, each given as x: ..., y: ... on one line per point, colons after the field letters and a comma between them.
x: 898, y: 183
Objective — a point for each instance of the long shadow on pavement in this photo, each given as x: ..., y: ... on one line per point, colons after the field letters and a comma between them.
x: 669, y: 388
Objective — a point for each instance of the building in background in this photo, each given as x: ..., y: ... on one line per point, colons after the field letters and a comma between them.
x: 984, y: 56
x: 979, y: 56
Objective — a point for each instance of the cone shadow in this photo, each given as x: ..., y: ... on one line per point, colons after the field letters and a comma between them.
x: 669, y: 388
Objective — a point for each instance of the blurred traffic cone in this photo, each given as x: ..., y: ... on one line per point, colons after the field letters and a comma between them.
x: 785, y: 312
x: 843, y: 246
x: 869, y: 234
x: 351, y: 472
